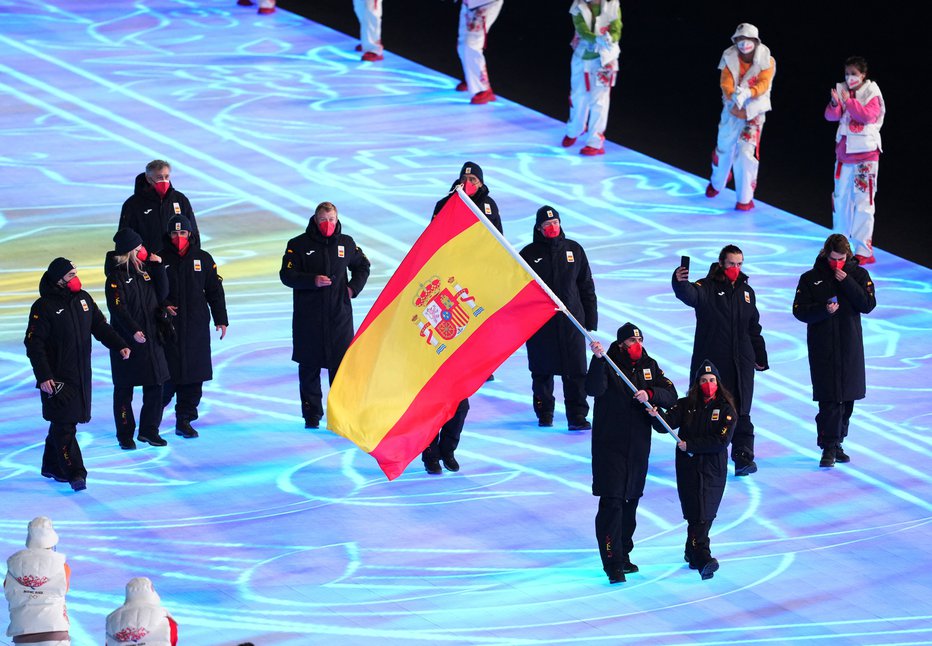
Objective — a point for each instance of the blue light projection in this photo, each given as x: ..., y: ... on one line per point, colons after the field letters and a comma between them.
x: 261, y: 530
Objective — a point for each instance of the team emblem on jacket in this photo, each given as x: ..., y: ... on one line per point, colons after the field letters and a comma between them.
x: 488, y: 209
x: 569, y: 257
x: 715, y: 414
x: 341, y: 251
x: 32, y: 581
x: 145, y: 276
x: 647, y: 374
x: 177, y: 208
x: 84, y: 305
x: 197, y: 264
x: 747, y: 297
x: 443, y: 311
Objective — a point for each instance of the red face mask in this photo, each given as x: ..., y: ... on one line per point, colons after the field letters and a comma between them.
x: 181, y: 244
x: 836, y: 264
x: 161, y: 188
x: 74, y: 284
x: 327, y: 227
x: 551, y: 230
x: 142, y: 254
x: 635, y: 350
x: 731, y: 273
x: 709, y: 388
x: 469, y: 188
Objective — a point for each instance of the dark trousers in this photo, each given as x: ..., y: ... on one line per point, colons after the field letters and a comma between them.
x: 189, y: 396
x: 312, y: 406
x: 832, y: 423
x: 150, y: 417
x: 742, y: 442
x: 574, y: 396
x: 615, y: 523
x: 446, y: 441
x: 62, y: 457
x: 698, y: 550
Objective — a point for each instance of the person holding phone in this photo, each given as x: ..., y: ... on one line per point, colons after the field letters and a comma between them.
x: 315, y: 267
x: 58, y: 344
x: 728, y: 333
x: 830, y: 299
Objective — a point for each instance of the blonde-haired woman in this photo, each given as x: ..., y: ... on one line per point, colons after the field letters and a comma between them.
x: 136, y: 289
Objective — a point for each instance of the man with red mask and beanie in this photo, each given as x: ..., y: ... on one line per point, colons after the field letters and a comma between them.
x: 728, y: 333
x: 830, y: 299
x: 195, y: 293
x: 58, y: 344
x: 153, y: 203
x: 621, y: 441
x: 315, y: 267
x: 471, y: 180
x: 706, y: 419
x: 558, y: 348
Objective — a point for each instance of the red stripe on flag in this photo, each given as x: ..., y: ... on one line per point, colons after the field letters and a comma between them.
x: 454, y: 218
x: 461, y: 375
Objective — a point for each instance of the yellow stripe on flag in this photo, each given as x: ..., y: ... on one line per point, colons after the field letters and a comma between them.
x: 390, y: 362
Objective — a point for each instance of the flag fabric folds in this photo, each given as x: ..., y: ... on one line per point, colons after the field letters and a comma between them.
x: 461, y: 302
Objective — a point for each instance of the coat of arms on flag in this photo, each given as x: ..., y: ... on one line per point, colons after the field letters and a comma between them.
x: 441, y: 312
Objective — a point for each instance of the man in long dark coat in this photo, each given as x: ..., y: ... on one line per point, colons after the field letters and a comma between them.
x: 315, y: 267
x: 195, y: 293
x: 621, y: 432
x: 153, y: 203
x: 58, y: 344
x: 558, y: 348
x: 728, y: 333
x: 830, y: 299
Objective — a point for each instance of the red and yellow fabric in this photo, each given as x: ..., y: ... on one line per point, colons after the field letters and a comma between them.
x: 459, y: 304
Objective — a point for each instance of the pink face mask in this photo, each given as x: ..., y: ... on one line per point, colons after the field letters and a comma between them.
x: 327, y: 228
x: 635, y: 350
x: 551, y: 230
x: 731, y: 273
x: 836, y: 264
x: 708, y: 388
x: 161, y: 187
x: 181, y: 244
x: 142, y: 254
x: 74, y: 284
x: 469, y: 188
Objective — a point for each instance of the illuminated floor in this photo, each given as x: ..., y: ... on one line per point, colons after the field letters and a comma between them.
x: 263, y: 531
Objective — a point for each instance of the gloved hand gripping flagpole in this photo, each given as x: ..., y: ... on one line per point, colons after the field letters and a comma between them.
x: 557, y: 302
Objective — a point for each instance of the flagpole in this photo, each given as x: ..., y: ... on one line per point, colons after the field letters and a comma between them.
x: 556, y: 299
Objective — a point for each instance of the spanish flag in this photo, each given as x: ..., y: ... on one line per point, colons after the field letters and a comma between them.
x: 461, y: 302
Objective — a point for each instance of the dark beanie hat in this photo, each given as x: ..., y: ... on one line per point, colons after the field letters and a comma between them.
x: 125, y: 241
x: 471, y: 168
x: 179, y: 223
x: 545, y: 213
x: 58, y: 268
x: 627, y: 331
x: 708, y: 368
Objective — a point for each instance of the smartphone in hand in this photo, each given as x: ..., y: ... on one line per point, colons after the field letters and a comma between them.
x: 684, y: 262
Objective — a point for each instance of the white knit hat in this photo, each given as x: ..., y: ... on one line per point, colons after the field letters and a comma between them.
x: 747, y: 30
x: 41, y: 535
x: 139, y: 590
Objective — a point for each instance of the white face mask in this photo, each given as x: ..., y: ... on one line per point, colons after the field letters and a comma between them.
x: 853, y: 81
x: 745, y: 46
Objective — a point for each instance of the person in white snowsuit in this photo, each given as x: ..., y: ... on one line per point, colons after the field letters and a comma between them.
x: 476, y: 19
x: 36, y: 582
x: 593, y: 70
x: 141, y: 618
x: 369, y: 14
x: 857, y: 105
x: 746, y: 80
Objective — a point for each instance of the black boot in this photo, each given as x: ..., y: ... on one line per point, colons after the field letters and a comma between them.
x: 615, y: 575
x: 184, y: 429
x: 840, y: 455
x: 152, y: 437
x: 709, y: 569
x: 450, y: 463
x: 828, y: 458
